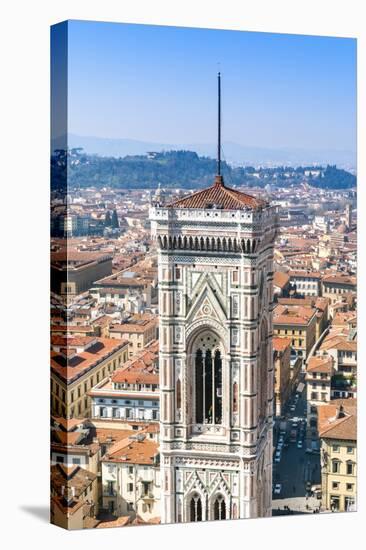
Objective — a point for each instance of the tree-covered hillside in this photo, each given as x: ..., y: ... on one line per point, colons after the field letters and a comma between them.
x: 184, y: 169
x: 334, y: 178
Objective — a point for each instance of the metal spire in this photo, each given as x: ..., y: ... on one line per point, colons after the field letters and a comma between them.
x: 219, y: 179
x: 219, y: 125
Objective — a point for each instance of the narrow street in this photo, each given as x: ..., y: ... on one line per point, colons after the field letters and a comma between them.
x: 297, y: 469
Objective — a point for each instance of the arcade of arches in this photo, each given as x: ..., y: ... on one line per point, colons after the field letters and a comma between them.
x: 218, y: 508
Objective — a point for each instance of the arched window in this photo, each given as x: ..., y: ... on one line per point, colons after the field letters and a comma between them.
x: 218, y: 388
x: 208, y: 387
x: 199, y: 386
x: 235, y: 397
x: 219, y: 508
x: 195, y: 508
x: 179, y: 394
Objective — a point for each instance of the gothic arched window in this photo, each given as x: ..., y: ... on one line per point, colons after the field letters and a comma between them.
x: 219, y: 508
x: 208, y: 387
x: 218, y: 388
x: 235, y: 397
x: 179, y: 394
x: 195, y: 508
x: 199, y: 386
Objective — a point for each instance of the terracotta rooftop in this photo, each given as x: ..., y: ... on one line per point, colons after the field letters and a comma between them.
x: 133, y: 326
x: 340, y: 279
x: 338, y: 341
x: 73, y: 476
x: 320, y: 364
x: 338, y: 419
x: 280, y: 279
x: 139, y: 450
x: 303, y: 273
x: 280, y: 344
x: 218, y: 196
x: 293, y: 315
x: 68, y: 364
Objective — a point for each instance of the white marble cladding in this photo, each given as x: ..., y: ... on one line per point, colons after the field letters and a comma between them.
x: 215, y: 300
x: 180, y: 216
x: 203, y: 214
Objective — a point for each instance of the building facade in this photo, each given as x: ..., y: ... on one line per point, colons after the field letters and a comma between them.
x: 337, y: 425
x: 215, y: 261
x: 140, y: 329
x: 77, y: 364
x: 131, y: 477
x: 298, y: 324
x: 282, y: 373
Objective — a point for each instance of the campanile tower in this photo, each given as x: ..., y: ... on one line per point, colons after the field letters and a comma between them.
x: 215, y: 261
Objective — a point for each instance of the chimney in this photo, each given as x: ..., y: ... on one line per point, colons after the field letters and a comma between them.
x: 340, y: 411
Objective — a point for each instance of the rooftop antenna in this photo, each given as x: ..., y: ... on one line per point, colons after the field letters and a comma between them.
x: 219, y: 179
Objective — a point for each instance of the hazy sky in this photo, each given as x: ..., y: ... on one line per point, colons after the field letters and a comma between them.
x: 158, y: 84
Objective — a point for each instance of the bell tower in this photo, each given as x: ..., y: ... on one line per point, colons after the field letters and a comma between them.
x: 215, y: 262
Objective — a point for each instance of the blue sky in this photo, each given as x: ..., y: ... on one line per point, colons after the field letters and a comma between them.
x: 158, y: 84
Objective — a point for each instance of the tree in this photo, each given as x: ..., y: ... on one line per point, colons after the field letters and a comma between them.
x: 114, y: 221
x: 107, y: 220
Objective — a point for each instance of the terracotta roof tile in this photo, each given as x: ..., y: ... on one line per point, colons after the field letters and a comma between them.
x: 320, y: 364
x: 134, y: 451
x: 219, y: 196
x: 280, y: 344
x: 280, y: 279
x: 334, y: 426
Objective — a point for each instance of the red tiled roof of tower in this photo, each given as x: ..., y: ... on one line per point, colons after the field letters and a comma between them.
x: 218, y: 196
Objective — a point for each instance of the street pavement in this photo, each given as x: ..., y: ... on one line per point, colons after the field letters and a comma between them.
x: 296, y: 468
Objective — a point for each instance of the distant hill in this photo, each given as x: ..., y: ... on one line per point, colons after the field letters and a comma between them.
x: 234, y: 153
x: 182, y: 169
x: 333, y: 178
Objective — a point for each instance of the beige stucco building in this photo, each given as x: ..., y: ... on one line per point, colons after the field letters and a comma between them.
x: 297, y: 323
x: 337, y: 426
x: 77, y: 364
x: 139, y: 331
x: 131, y: 476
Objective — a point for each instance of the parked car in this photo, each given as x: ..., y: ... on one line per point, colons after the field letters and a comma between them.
x: 278, y: 456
